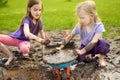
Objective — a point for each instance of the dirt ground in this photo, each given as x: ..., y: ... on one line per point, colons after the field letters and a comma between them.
x: 34, y: 68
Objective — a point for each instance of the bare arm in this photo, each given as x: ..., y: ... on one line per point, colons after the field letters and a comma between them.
x: 29, y: 35
x: 90, y: 44
x: 67, y: 39
x: 45, y: 37
x: 42, y: 34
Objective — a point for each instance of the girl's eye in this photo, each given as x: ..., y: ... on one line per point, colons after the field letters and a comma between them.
x: 81, y: 17
x: 35, y: 9
x: 40, y: 9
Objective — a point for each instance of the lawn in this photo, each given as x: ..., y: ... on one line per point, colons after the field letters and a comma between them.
x: 60, y: 15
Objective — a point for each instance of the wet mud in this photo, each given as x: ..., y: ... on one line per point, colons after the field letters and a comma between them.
x: 34, y: 67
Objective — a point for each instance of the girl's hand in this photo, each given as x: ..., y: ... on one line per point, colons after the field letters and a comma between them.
x: 67, y: 34
x: 79, y: 52
x: 40, y: 40
x: 46, y: 42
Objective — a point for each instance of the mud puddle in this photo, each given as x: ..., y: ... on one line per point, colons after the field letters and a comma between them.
x: 33, y: 67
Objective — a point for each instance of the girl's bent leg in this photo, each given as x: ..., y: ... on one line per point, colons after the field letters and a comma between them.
x: 24, y: 47
x: 102, y: 48
x: 101, y: 60
x: 7, y: 40
x: 4, y: 49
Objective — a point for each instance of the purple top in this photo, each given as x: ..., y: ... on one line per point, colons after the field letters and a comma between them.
x: 19, y: 34
x: 85, y: 36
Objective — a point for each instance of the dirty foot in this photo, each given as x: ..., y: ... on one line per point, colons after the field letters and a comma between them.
x: 102, y: 63
x: 10, y: 59
x: 26, y: 55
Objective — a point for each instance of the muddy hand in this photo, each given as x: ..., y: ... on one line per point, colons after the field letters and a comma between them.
x: 77, y: 52
x: 42, y: 41
x: 47, y: 37
x: 46, y: 42
x: 63, y: 44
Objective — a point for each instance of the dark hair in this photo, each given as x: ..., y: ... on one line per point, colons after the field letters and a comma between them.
x: 28, y: 13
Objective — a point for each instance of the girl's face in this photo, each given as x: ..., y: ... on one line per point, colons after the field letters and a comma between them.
x: 85, y: 19
x: 36, y: 11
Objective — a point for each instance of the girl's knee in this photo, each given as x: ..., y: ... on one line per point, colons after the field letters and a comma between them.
x: 24, y: 49
x: 102, y: 47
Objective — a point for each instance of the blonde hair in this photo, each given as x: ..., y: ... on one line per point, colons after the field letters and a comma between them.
x: 89, y: 7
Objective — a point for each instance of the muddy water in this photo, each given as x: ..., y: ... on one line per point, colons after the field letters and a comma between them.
x: 29, y: 74
x: 33, y: 67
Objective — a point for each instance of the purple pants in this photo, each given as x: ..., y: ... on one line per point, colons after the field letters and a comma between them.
x: 101, y: 47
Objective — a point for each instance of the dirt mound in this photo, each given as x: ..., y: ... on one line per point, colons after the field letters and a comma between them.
x: 33, y: 67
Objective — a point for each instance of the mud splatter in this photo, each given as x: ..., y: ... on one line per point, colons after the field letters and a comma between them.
x: 33, y: 67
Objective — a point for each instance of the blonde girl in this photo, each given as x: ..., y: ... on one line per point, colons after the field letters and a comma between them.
x: 90, y: 29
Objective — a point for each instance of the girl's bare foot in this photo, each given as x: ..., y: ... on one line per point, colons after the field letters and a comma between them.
x: 9, y: 60
x: 102, y: 63
x: 25, y: 54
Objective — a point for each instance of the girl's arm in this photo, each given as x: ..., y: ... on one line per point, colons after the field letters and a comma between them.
x: 42, y: 34
x: 30, y: 35
x: 90, y: 44
x: 67, y: 39
x: 45, y: 37
x: 93, y: 42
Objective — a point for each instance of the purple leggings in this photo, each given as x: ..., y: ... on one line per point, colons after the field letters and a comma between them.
x: 24, y: 46
x: 101, y: 47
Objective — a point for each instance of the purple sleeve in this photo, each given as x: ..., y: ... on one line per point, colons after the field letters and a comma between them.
x: 100, y: 29
x: 26, y: 20
x: 76, y: 30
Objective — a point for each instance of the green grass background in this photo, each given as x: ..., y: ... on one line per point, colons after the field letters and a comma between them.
x: 60, y: 15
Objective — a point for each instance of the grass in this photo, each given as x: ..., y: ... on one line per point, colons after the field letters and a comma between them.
x: 60, y: 14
